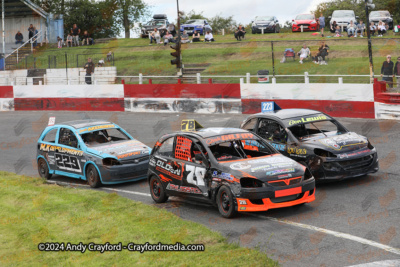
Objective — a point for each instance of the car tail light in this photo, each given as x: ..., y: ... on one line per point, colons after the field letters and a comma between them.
x: 110, y: 162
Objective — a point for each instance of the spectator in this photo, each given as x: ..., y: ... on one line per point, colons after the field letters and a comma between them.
x: 155, y: 35
x: 351, y: 28
x: 304, y: 53
x: 333, y: 27
x: 59, y: 42
x: 75, y: 31
x: 69, y: 40
x: 19, y: 38
x: 397, y: 71
x: 168, y: 38
x: 360, y: 28
x: 171, y: 29
x: 209, y: 37
x: 196, y: 36
x: 323, y: 51
x: 101, y: 63
x: 35, y: 32
x: 321, y: 22
x: 30, y: 31
x: 207, y: 27
x: 185, y: 37
x: 86, y: 38
x: 387, y: 71
x: 109, y: 56
x: 338, y: 31
x: 240, y: 32
x: 381, y: 29
x: 372, y: 28
x: 89, y: 67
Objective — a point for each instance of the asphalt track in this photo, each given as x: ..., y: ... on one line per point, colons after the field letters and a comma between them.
x: 352, y: 222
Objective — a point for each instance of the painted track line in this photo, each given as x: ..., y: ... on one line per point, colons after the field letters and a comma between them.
x: 301, y: 225
x: 338, y: 234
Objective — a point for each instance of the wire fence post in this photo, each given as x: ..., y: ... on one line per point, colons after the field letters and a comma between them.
x: 273, y: 59
x: 140, y: 78
x: 113, y: 58
x: 66, y: 67
x: 247, y: 77
x: 198, y: 78
x: 306, y: 79
x: 77, y: 60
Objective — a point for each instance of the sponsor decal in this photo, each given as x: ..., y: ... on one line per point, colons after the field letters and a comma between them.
x: 239, y: 166
x: 348, y: 155
x: 216, y: 179
x: 93, y: 128
x: 152, y: 161
x: 338, y: 142
x: 242, y: 202
x: 223, y: 175
x: 306, y: 120
x: 242, y: 208
x: 297, y: 151
x: 224, y: 157
x: 183, y: 189
x: 284, y: 176
x: 278, y: 147
x: 229, y: 137
x: 51, y: 148
x: 169, y: 170
x: 132, y: 154
x: 273, y: 159
x: 275, y: 172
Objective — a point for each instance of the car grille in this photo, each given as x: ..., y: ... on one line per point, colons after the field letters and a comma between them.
x: 135, y: 161
x: 188, y: 28
x: 286, y: 199
x: 285, y: 182
x: 355, y: 164
x: 132, y: 175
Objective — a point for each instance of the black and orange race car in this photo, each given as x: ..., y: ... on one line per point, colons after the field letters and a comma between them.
x: 234, y: 169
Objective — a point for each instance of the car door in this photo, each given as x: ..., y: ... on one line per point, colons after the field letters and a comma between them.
x: 195, y: 181
x: 274, y: 133
x: 68, y: 155
x: 169, y: 172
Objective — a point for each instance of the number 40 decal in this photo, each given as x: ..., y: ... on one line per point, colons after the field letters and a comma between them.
x: 199, y: 172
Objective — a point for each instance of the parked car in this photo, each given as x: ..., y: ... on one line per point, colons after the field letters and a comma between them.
x: 343, y: 18
x: 159, y: 21
x: 199, y: 25
x: 233, y: 169
x: 316, y: 140
x: 381, y: 15
x: 308, y: 22
x: 99, y: 152
x: 269, y: 23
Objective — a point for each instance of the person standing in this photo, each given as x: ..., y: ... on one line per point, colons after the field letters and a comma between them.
x: 397, y: 71
x: 75, y: 31
x: 35, y: 32
x: 89, y: 67
x: 321, y: 21
x: 30, y: 31
x: 387, y: 71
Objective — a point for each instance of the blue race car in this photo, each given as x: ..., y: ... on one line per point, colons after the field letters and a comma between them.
x: 199, y: 25
x: 99, y: 152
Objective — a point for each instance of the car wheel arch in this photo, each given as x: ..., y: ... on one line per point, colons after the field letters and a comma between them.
x: 87, y: 164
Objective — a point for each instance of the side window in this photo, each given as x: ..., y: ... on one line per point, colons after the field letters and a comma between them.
x: 51, y: 136
x: 272, y: 131
x: 250, y: 124
x: 167, y: 148
x: 67, y: 138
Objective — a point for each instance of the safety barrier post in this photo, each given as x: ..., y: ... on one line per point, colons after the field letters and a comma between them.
x: 140, y: 78
x: 274, y: 80
x: 301, y: 27
x: 198, y: 78
x: 306, y: 79
x: 247, y: 77
x: 179, y: 81
x: 150, y: 81
x: 122, y: 81
x: 340, y: 80
x: 210, y: 81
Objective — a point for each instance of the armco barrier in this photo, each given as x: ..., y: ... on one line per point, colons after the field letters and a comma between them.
x: 339, y: 100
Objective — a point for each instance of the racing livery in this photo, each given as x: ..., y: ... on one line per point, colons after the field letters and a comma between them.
x: 317, y: 141
x: 92, y: 150
x: 231, y: 168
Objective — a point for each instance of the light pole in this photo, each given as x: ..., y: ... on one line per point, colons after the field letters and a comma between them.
x: 368, y: 4
x: 2, y: 25
x: 179, y: 39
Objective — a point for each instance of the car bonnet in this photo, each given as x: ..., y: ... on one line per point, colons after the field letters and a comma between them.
x: 122, y: 150
x: 338, y: 144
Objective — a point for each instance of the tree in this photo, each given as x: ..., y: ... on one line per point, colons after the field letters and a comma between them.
x: 218, y: 23
x: 130, y: 11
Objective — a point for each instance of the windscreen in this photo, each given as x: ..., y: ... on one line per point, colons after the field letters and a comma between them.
x: 240, y: 149
x: 159, y: 22
x: 377, y: 14
x: 343, y: 14
x: 304, y: 17
x: 104, y: 136
x: 321, y: 129
x: 264, y: 18
x: 194, y: 21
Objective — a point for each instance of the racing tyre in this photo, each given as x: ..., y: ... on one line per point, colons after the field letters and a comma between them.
x: 43, y: 169
x: 92, y: 177
x: 225, y: 202
x: 157, y: 190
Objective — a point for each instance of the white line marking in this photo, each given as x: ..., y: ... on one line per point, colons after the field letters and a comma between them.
x: 387, y: 263
x: 128, y: 192
x: 339, y: 234
x: 65, y: 183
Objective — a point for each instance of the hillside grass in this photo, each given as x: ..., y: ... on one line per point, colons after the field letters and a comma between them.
x: 33, y: 212
x: 226, y: 56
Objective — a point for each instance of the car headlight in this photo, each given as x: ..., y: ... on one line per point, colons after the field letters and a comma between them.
x: 324, y: 153
x: 313, y: 22
x: 110, y: 162
x: 307, y: 174
x: 251, y: 182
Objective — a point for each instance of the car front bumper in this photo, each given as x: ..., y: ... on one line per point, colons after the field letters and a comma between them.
x: 124, y: 173
x: 306, y: 28
x: 349, y: 168
x: 266, y: 198
x: 257, y: 29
